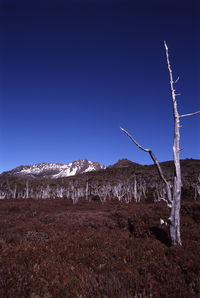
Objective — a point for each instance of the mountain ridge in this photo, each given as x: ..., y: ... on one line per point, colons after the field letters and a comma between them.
x: 53, y: 170
x: 61, y: 170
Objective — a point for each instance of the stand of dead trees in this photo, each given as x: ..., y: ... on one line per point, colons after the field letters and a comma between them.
x: 173, y: 193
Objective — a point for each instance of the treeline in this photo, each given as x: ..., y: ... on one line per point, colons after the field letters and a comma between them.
x: 124, y: 185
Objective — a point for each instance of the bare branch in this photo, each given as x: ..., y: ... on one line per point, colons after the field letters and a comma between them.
x: 191, y: 114
x: 176, y: 80
x: 160, y: 172
x: 134, y: 141
x: 164, y: 200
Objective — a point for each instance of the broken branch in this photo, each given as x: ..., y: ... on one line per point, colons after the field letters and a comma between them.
x: 191, y: 114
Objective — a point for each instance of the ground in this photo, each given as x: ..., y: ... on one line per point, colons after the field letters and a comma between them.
x: 52, y: 248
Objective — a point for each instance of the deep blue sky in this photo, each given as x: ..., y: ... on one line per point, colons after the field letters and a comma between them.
x: 72, y: 72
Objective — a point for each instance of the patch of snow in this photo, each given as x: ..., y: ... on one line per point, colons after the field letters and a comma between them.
x: 90, y: 168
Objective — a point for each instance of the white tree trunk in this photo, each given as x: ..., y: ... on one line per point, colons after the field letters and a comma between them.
x: 175, y: 233
x: 86, y: 189
x: 175, y: 209
x: 135, y: 189
x: 27, y: 190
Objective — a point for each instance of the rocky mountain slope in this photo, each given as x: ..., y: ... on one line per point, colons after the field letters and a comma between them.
x: 54, y: 170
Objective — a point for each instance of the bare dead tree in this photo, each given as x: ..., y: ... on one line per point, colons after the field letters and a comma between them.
x: 27, y: 190
x: 119, y: 191
x: 173, y: 196
x: 197, y: 188
x: 87, y: 188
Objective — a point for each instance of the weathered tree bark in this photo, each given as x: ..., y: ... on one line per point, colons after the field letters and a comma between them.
x: 173, y: 198
x: 175, y: 209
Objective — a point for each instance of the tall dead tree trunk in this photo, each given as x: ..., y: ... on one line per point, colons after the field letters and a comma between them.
x: 173, y: 196
x: 175, y: 209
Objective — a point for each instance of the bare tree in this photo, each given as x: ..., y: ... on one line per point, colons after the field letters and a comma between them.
x: 87, y: 189
x: 173, y: 195
x: 119, y: 191
x: 197, y: 189
x: 27, y: 190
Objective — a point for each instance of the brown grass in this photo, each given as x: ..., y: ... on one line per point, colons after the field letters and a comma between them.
x: 51, y: 248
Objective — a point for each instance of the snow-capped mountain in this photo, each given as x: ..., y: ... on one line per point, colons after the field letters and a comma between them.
x: 54, y: 170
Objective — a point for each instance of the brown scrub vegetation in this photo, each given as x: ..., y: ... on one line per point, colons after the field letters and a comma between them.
x: 52, y: 248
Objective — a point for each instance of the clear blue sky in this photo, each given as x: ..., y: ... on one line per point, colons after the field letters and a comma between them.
x: 72, y: 72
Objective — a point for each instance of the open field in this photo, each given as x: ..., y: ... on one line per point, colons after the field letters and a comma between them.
x: 52, y: 248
